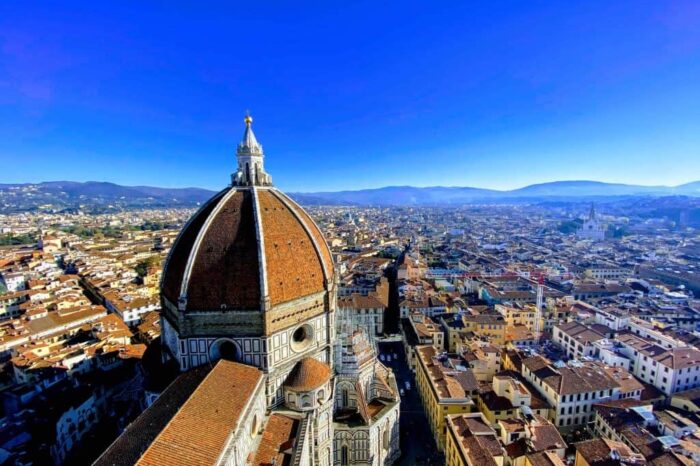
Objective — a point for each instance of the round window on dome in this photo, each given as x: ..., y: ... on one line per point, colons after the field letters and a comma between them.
x: 302, y: 338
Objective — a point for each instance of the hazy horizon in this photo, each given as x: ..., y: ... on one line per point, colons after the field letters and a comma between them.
x: 366, y: 188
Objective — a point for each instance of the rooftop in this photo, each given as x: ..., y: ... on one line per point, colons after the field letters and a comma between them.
x: 475, y: 438
x: 198, y: 432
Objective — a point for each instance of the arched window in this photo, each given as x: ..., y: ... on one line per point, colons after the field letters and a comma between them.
x: 344, y: 455
x: 227, y: 350
x: 224, y: 349
x: 345, y: 398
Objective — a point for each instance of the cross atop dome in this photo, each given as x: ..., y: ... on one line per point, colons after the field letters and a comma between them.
x: 251, y: 171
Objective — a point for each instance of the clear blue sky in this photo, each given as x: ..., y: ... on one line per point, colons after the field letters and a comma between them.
x: 353, y: 94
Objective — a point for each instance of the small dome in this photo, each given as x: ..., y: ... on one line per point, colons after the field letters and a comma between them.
x: 307, y: 375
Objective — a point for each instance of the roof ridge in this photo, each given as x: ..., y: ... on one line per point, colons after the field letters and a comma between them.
x: 262, y: 259
x: 198, y: 239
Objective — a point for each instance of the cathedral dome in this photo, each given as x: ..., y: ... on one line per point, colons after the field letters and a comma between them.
x: 248, y: 250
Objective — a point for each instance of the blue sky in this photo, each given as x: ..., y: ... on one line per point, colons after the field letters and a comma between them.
x: 351, y: 95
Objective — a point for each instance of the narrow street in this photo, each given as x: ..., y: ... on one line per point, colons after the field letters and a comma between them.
x: 391, y: 316
x: 417, y: 443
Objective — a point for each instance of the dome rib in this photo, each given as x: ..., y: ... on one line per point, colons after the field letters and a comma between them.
x: 260, y: 235
x: 246, y: 245
x: 225, y: 271
x: 293, y: 267
x: 198, y: 240
x: 250, y: 260
x: 314, y: 233
x: 178, y: 257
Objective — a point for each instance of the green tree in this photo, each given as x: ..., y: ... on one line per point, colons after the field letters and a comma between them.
x: 142, y: 267
x: 570, y: 226
x: 10, y: 239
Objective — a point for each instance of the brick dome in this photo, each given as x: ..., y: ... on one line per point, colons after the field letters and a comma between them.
x: 244, y: 255
x: 244, y: 246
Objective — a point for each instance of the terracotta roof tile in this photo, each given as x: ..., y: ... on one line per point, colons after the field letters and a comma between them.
x: 225, y: 267
x: 179, y: 254
x: 308, y: 374
x: 293, y: 267
x: 227, y: 257
x: 280, y: 432
x: 129, y: 446
x: 315, y: 232
x: 197, y: 434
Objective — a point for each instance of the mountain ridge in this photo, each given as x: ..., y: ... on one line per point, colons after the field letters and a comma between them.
x: 410, y: 195
x: 74, y: 194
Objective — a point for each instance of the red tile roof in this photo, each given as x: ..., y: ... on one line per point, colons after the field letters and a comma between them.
x: 225, y: 268
x: 277, y: 439
x: 293, y: 266
x: 197, y: 434
x: 308, y: 374
x: 180, y: 253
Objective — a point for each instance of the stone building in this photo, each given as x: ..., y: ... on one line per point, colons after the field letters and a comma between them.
x: 248, y: 307
x: 366, y: 403
x: 591, y: 228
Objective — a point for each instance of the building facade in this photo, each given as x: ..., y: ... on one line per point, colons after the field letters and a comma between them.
x: 591, y: 229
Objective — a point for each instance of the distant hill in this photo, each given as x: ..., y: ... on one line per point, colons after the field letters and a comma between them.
x: 94, y: 196
x: 557, y: 190
x: 104, y: 197
x: 689, y: 189
x: 585, y: 188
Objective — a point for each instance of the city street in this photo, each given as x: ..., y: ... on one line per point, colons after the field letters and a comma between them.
x: 417, y: 443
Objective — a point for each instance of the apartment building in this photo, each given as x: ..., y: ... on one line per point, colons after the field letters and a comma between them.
x: 446, y: 386
x: 669, y: 370
x: 524, y: 314
x: 419, y: 330
x: 625, y: 421
x: 472, y: 442
x: 508, y: 397
x: 572, y: 389
x: 489, y: 327
x: 532, y: 440
x: 605, y: 452
x: 484, y: 359
x: 606, y: 272
x: 366, y: 310
x: 576, y: 339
